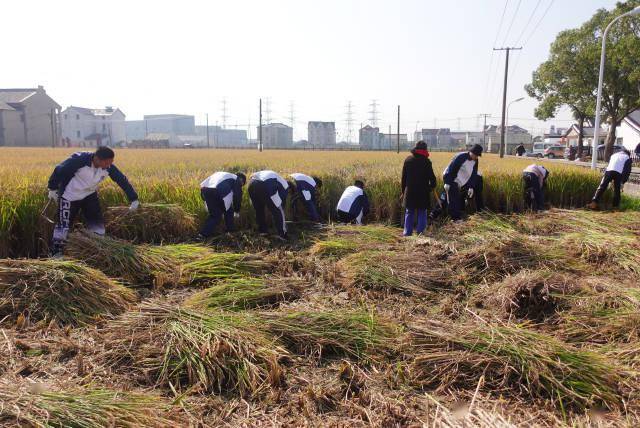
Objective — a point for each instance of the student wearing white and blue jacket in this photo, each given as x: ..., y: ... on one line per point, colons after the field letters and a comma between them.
x: 222, y: 194
x: 306, y: 189
x: 461, y: 179
x: 267, y: 189
x: 353, y: 205
x: 73, y: 185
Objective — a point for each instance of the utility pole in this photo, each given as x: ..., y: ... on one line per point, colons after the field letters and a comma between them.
x: 398, y: 134
x: 484, y: 128
x: 260, y: 128
x: 504, y: 96
x: 53, y: 133
x: 208, y: 144
x: 267, y: 110
x: 292, y: 114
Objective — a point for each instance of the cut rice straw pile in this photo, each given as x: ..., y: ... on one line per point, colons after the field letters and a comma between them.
x: 67, y: 292
x: 224, y: 266
x: 151, y: 223
x: 179, y: 348
x: 513, y: 357
x: 247, y: 293
x: 343, y: 240
x: 357, y: 334
x: 24, y: 405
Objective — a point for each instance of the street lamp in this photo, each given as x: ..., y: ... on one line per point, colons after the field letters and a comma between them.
x: 506, y: 127
x: 596, y: 130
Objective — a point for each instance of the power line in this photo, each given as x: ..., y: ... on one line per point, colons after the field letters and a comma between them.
x: 486, y: 87
x: 538, y: 24
x: 528, y: 22
x: 223, y: 110
x: 267, y: 110
x: 513, y: 19
x: 349, y: 121
x: 292, y: 114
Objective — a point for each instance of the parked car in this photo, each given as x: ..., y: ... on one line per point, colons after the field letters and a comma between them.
x: 554, y: 151
x: 539, y: 148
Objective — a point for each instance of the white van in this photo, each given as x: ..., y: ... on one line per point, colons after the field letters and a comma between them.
x: 540, y: 147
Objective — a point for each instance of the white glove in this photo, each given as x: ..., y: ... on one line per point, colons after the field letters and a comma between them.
x: 447, y: 187
x: 470, y: 193
x: 134, y: 205
x: 53, y: 195
x: 236, y: 215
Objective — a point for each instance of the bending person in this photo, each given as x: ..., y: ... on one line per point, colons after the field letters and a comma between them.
x: 353, y: 205
x: 306, y: 188
x: 73, y: 185
x: 462, y: 181
x: 269, y: 190
x: 222, y: 194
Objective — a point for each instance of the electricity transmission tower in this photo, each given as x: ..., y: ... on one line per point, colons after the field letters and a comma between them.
x: 349, y: 121
x: 267, y: 110
x: 223, y: 110
x: 292, y: 114
x: 373, y: 113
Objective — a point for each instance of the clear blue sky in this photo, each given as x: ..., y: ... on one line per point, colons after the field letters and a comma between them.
x: 431, y: 57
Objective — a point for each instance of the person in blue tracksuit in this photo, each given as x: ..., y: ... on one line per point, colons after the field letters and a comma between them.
x: 353, y: 205
x: 73, y: 185
x: 222, y: 194
x: 269, y: 190
x: 306, y: 189
x: 461, y: 179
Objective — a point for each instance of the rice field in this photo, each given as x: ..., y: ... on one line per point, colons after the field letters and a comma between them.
x: 173, y: 177
x: 508, y: 319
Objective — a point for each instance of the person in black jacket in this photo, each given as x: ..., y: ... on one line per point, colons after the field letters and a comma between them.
x: 418, y: 182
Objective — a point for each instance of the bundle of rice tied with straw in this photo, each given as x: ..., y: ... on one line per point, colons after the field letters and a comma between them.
x: 356, y: 334
x: 512, y: 358
x: 65, y: 291
x: 343, y: 240
x: 247, y: 293
x: 34, y: 405
x: 224, y: 266
x: 151, y: 223
x: 219, y: 352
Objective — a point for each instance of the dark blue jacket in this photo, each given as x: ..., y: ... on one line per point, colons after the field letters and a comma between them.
x: 462, y: 170
x: 65, y: 171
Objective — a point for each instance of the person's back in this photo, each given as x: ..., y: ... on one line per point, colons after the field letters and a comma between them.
x: 353, y: 204
x: 348, y: 196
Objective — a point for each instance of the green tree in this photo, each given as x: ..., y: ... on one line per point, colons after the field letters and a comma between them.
x: 570, y: 75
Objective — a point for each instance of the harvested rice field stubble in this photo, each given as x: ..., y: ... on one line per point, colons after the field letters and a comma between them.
x: 505, y: 320
x: 170, y: 178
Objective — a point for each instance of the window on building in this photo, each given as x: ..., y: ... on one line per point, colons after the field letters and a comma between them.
x: 65, y: 116
x: 104, y: 127
x: 77, y: 117
x: 77, y: 134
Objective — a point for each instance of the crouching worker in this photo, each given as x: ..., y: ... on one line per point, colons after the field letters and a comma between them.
x: 222, y: 195
x: 306, y: 188
x: 618, y: 171
x: 353, y: 205
x: 418, y: 182
x: 269, y: 190
x: 74, y: 183
x: 534, y: 178
x: 462, y: 181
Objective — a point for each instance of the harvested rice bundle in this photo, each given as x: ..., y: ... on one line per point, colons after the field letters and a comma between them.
x: 391, y: 271
x: 514, y: 357
x: 223, y: 266
x: 135, y: 265
x: 25, y: 405
x: 356, y: 334
x: 601, y: 311
x: 151, y: 223
x: 65, y: 291
x: 529, y: 295
x: 247, y: 293
x: 344, y: 240
x: 179, y: 348
x: 607, y: 251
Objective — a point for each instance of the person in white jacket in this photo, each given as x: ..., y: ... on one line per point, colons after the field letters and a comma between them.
x: 618, y: 171
x: 268, y: 190
x: 353, y: 205
x: 534, y: 178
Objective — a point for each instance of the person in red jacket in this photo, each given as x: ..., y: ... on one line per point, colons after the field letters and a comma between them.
x: 418, y: 182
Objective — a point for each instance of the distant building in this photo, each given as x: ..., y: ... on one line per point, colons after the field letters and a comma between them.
x: 87, y: 127
x: 28, y: 117
x: 223, y: 137
x: 570, y: 138
x: 436, y: 138
x: 276, y: 135
x: 474, y: 137
x: 173, y: 124
x: 515, y: 136
x: 630, y: 130
x: 370, y: 138
x: 390, y: 141
x: 322, y: 134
